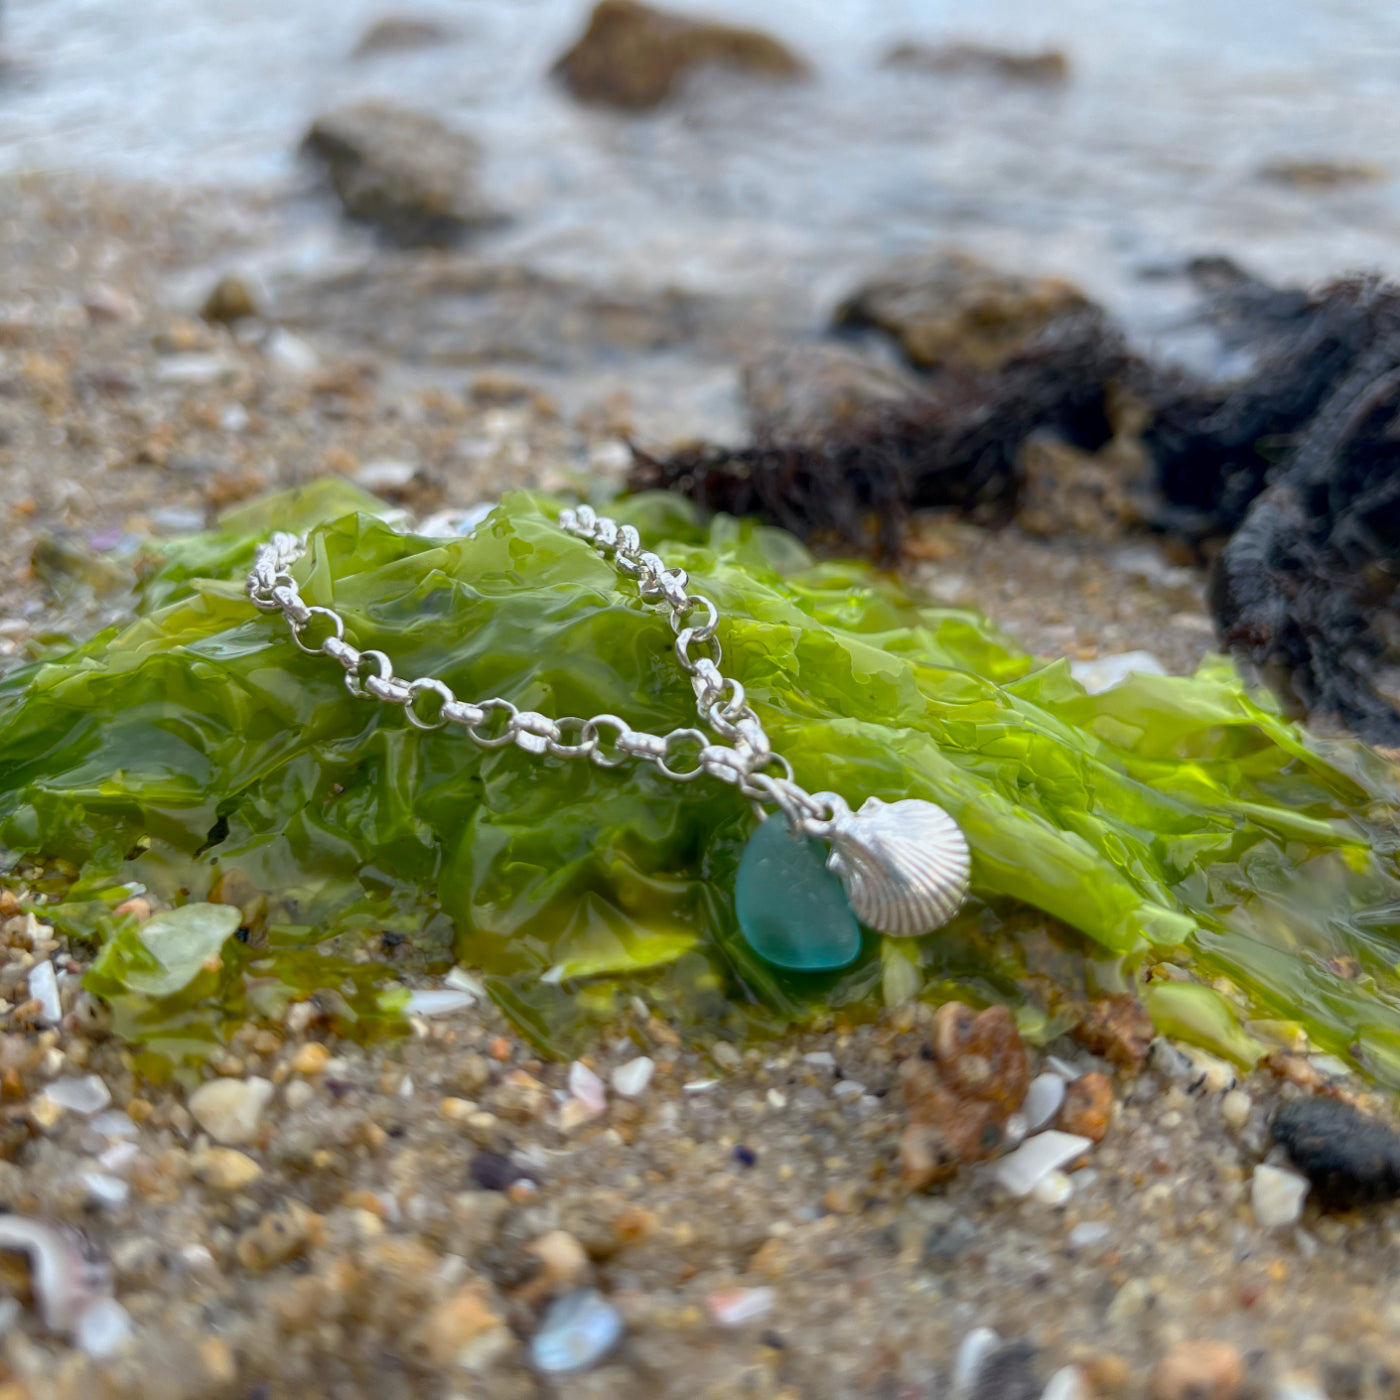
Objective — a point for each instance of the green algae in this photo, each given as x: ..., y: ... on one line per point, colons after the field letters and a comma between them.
x: 196, y: 754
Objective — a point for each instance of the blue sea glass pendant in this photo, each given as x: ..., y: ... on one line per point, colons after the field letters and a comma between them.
x: 792, y: 910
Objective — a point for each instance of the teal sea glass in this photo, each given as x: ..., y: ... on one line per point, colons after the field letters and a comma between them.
x: 792, y: 910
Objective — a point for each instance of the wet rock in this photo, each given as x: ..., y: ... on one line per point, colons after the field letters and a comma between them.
x: 230, y: 299
x: 632, y: 56
x: 951, y: 311
x: 1088, y: 1107
x: 405, y: 172
x: 1318, y: 176
x: 577, y: 1331
x: 1118, y: 1028
x: 1047, y: 66
x: 1350, y: 1159
x: 960, y: 1097
x: 395, y: 33
x: 1198, y: 1371
x: 231, y: 1110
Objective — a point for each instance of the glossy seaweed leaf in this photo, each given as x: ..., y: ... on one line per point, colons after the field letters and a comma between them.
x: 197, y: 753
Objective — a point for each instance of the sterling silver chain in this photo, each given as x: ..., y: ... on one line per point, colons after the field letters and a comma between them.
x: 741, y: 759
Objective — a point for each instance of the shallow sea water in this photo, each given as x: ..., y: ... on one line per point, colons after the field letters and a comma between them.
x: 1149, y: 154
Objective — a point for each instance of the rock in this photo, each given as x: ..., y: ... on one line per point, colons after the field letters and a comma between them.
x: 1088, y: 1107
x: 960, y: 1098
x: 1198, y: 1371
x: 291, y: 354
x: 231, y: 1110
x: 403, y: 171
x: 950, y: 311
x: 1008, y: 1374
x: 84, y: 1095
x: 464, y: 1330
x: 394, y: 33
x: 280, y: 1235
x: 1043, y: 1100
x: 226, y: 1169
x: 1021, y: 1171
x: 631, y: 1079
x: 1235, y: 1108
x: 969, y: 1359
x: 1068, y: 1383
x: 310, y: 1059
x: 387, y: 474
x: 587, y: 1089
x: 1118, y: 1028
x: 632, y: 56
x: 578, y: 1331
x: 103, y: 1329
x: 107, y: 1192
x: 1047, y: 66
x: 1350, y: 1158
x: 230, y: 299
x: 43, y: 989
x: 736, y: 1307
x: 564, y: 1260
x: 1318, y: 176
x: 1277, y: 1196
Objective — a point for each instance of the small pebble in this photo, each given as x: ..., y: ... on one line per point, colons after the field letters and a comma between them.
x: 310, y: 1059
x: 290, y: 353
x: 226, y: 1169
x: 1277, y: 1196
x: 1042, y: 1101
x: 699, y: 1086
x: 1053, y: 1189
x: 1066, y: 1384
x: 1089, y: 1233
x: 43, y: 988
x: 1235, y: 1107
x: 745, y: 1156
x: 823, y: 1059
x: 103, y: 1329
x: 386, y: 474
x: 734, y: 1307
x: 115, y: 1124
x: 969, y: 1359
x: 1107, y: 671
x: 444, y: 1001
x: 119, y: 1158
x: 587, y: 1088
x: 231, y: 1110
x: 847, y: 1089
x: 1198, y: 1371
x: 630, y: 1080
x: 109, y: 1192
x: 577, y: 1332
x: 1019, y: 1171
x: 86, y: 1095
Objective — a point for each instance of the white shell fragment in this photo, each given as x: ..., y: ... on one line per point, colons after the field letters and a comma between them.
x: 68, y: 1274
x: 43, y: 988
x: 905, y: 865
x: 85, y: 1094
x: 735, y: 1307
x: 435, y: 1001
x: 1043, y: 1100
x: 1022, y: 1170
x: 969, y: 1359
x: 631, y: 1079
x: 1277, y: 1196
x: 578, y: 1331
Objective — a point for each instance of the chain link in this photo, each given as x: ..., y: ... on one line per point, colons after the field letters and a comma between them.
x: 683, y: 755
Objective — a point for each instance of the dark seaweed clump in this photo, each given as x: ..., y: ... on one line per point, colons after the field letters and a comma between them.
x: 1285, y: 472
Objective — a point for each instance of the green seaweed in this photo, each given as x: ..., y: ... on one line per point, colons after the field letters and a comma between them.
x: 196, y: 754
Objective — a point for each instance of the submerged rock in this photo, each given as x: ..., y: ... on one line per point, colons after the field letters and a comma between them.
x: 394, y: 33
x: 632, y: 56
x: 1317, y: 176
x: 1047, y: 66
x: 1350, y: 1158
x: 405, y: 172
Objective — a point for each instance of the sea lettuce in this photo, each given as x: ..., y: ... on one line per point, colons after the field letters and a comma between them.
x: 195, y: 754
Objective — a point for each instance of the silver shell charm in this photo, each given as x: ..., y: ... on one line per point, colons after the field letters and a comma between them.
x: 905, y: 865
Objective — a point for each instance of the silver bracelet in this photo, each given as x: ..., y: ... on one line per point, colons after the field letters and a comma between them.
x: 905, y: 865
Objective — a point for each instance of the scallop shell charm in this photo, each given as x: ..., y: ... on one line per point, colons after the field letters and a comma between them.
x: 905, y: 865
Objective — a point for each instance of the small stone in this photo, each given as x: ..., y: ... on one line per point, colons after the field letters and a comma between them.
x: 226, y: 1169
x: 735, y: 1307
x: 109, y: 1192
x: 631, y: 1080
x: 564, y: 1259
x: 103, y: 1329
x: 1198, y: 1371
x: 1043, y: 1100
x: 577, y: 1332
x: 194, y: 368
x: 1277, y: 1196
x: 587, y: 1088
x: 1020, y: 1171
x: 310, y: 1059
x: 1088, y: 1106
x: 86, y: 1095
x: 1235, y: 1108
x: 231, y: 1110
x: 1088, y: 1234
x: 1350, y: 1158
x: 115, y: 1124
x: 386, y: 474
x: 280, y: 1235
x: 1053, y: 1189
x: 119, y: 1158
x: 493, y: 1171
x: 1118, y: 1028
x: 1068, y: 1383
x: 1105, y: 672
x: 230, y: 299
x: 969, y: 1359
x: 291, y: 354
x: 398, y: 32
x: 464, y: 1330
x: 443, y: 1001
x: 43, y: 988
